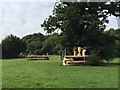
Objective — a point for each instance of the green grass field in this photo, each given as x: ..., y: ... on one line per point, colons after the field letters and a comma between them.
x: 21, y: 73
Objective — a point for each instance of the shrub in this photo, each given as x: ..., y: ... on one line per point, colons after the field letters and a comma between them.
x: 94, y: 60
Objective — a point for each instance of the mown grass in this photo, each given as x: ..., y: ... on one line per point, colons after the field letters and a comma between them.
x: 21, y: 73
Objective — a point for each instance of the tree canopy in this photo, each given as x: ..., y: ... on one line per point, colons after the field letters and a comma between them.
x: 52, y: 44
x: 34, y: 43
x: 12, y: 46
x: 83, y: 24
x: 38, y: 43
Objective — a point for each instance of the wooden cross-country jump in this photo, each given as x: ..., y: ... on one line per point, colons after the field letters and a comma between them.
x: 37, y: 57
x: 79, y: 57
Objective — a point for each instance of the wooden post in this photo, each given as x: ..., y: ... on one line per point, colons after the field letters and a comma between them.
x: 83, y: 52
x: 75, y: 51
x: 79, y: 51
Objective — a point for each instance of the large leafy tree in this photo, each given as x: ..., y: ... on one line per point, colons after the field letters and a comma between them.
x: 114, y: 36
x: 117, y: 34
x: 82, y: 24
x: 52, y: 44
x: 34, y: 43
x: 12, y: 46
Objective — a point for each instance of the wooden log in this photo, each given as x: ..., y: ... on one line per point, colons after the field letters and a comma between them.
x: 37, y: 57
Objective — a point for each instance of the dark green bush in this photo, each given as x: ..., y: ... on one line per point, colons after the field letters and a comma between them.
x: 94, y: 60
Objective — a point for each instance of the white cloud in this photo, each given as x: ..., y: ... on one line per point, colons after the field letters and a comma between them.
x: 23, y: 18
x: 27, y: 0
x: 113, y: 23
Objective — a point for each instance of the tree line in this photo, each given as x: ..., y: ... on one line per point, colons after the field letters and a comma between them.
x: 37, y: 43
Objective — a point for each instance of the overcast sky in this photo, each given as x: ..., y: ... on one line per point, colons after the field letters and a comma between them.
x: 21, y: 18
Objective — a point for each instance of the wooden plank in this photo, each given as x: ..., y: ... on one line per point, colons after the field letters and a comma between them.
x: 37, y: 57
x: 75, y: 56
x: 76, y: 61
